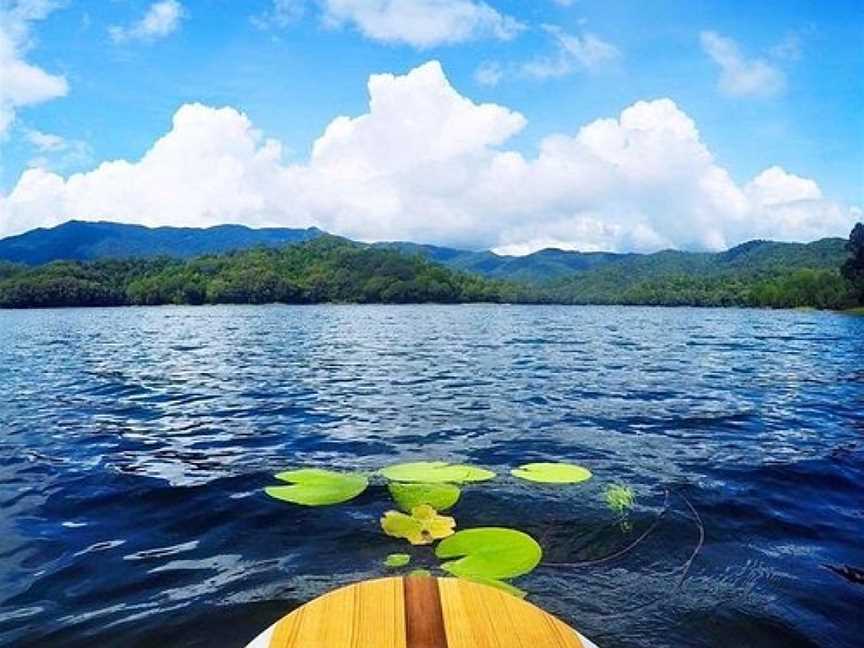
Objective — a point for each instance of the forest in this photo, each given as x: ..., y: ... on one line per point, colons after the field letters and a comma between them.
x: 331, y: 269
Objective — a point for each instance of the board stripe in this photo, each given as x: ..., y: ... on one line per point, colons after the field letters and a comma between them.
x: 424, y: 620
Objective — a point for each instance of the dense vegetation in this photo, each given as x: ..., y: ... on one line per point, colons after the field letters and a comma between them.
x: 326, y: 269
x: 754, y: 257
x: 329, y: 269
x: 758, y: 273
x: 94, y: 241
x: 853, y: 269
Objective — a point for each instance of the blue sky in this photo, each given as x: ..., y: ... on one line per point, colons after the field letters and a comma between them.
x: 768, y: 85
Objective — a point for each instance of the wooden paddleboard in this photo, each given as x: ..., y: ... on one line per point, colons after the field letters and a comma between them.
x: 419, y: 612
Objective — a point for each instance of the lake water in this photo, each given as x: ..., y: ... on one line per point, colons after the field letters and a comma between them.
x: 135, y: 443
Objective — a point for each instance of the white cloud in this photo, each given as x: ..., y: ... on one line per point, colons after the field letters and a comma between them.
x: 421, y: 23
x: 574, y: 51
x: 282, y: 14
x: 774, y: 186
x: 162, y: 19
x: 488, y: 73
x: 44, y: 142
x: 57, y: 153
x: 739, y: 76
x: 425, y: 163
x: 23, y: 84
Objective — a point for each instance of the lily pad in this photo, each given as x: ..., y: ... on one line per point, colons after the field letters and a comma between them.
x: 620, y: 498
x: 420, y: 572
x: 397, y: 560
x: 490, y: 553
x: 499, y: 584
x: 435, y: 472
x: 439, y: 496
x: 316, y: 487
x: 423, y: 526
x: 552, y: 473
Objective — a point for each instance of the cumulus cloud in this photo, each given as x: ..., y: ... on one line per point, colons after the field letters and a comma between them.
x: 740, y: 76
x: 162, y: 19
x: 23, y: 84
x: 426, y: 163
x: 421, y: 23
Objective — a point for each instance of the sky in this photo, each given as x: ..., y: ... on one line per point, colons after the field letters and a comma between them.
x: 618, y: 125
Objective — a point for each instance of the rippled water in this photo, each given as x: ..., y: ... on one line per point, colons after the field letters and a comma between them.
x: 134, y: 444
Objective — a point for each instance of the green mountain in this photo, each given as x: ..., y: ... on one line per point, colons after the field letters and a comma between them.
x: 110, y: 264
x: 331, y: 269
x: 325, y: 269
x: 84, y: 241
x: 758, y: 273
x: 537, y: 267
x: 605, y: 269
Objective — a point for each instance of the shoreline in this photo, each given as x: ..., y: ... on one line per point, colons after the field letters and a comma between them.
x: 849, y: 311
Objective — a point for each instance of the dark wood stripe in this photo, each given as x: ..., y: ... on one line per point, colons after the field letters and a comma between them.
x: 424, y: 620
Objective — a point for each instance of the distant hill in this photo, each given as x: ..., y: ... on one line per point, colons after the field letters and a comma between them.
x: 85, y: 241
x: 584, y: 272
x: 753, y: 257
x: 540, y: 266
x: 333, y: 269
x: 757, y: 273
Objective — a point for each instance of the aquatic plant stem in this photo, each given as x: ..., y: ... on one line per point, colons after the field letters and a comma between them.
x: 700, y: 542
x: 701, y: 531
x: 620, y: 552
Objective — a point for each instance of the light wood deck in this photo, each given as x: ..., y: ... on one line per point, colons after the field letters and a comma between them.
x: 419, y: 612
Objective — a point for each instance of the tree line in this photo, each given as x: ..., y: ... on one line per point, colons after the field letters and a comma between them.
x: 326, y: 269
x: 330, y: 269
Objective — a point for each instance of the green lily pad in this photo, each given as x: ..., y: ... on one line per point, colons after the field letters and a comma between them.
x: 499, y: 584
x: 316, y: 487
x: 435, y: 472
x: 397, y: 560
x: 439, y: 496
x: 489, y: 552
x: 620, y: 498
x: 423, y: 526
x: 420, y: 572
x: 552, y: 473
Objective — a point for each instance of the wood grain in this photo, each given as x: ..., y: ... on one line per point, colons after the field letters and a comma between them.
x: 424, y: 622
x: 419, y: 612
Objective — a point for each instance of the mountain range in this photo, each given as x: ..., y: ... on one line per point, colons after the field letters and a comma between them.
x: 88, y: 241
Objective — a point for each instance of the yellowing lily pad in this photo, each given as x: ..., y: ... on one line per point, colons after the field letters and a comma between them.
x: 435, y: 472
x: 552, y: 473
x: 490, y: 553
x: 423, y: 526
x: 397, y: 560
x: 439, y: 496
x: 316, y: 487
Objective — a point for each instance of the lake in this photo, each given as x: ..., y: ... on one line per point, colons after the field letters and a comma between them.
x: 135, y: 444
